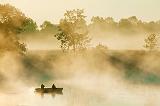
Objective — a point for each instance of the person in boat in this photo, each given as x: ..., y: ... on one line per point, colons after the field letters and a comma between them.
x: 42, y: 86
x: 53, y: 86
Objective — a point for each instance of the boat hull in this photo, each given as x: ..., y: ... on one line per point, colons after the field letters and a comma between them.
x: 49, y: 90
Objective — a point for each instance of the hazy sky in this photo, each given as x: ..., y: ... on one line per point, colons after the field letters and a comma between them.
x: 53, y: 10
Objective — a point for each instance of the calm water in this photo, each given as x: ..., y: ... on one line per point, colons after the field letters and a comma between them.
x: 76, y: 95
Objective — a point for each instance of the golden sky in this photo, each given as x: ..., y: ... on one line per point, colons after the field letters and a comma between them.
x: 53, y: 10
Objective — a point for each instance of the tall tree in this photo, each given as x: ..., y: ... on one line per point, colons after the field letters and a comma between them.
x: 151, y: 42
x: 29, y: 26
x: 11, y: 20
x: 73, y: 30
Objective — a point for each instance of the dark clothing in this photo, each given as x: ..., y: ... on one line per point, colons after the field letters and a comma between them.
x: 42, y: 86
x: 53, y: 86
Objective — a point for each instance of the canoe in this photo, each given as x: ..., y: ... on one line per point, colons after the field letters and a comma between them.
x: 49, y: 90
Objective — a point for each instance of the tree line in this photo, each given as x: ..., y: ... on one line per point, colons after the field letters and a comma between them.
x: 126, y: 26
x: 72, y: 30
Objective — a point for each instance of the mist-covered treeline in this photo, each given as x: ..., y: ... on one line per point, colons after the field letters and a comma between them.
x: 73, y: 29
x: 125, y: 26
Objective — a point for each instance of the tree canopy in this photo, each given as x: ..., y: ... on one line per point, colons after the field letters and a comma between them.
x: 125, y: 26
x: 151, y: 42
x: 48, y: 27
x: 28, y: 26
x: 73, y: 32
x: 11, y: 20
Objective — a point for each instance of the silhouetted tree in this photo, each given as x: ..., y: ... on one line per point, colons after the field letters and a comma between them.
x: 73, y: 31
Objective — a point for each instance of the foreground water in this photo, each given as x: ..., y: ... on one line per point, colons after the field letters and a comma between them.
x: 76, y: 95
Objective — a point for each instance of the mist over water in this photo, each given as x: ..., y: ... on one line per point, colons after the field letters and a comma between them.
x: 88, y: 80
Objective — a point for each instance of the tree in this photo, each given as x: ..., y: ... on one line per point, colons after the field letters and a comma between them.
x: 11, y: 20
x: 101, y: 47
x: 48, y: 27
x: 102, y: 25
x: 29, y: 26
x: 151, y: 42
x: 125, y: 23
x: 133, y: 20
x: 97, y: 20
x: 46, y: 24
x: 73, y: 32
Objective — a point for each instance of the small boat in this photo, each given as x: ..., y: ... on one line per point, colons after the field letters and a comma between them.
x: 49, y: 90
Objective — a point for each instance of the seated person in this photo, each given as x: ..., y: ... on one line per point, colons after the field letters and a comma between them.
x: 42, y: 86
x: 53, y: 86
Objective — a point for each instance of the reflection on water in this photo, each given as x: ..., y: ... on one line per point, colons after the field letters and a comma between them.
x: 53, y: 94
